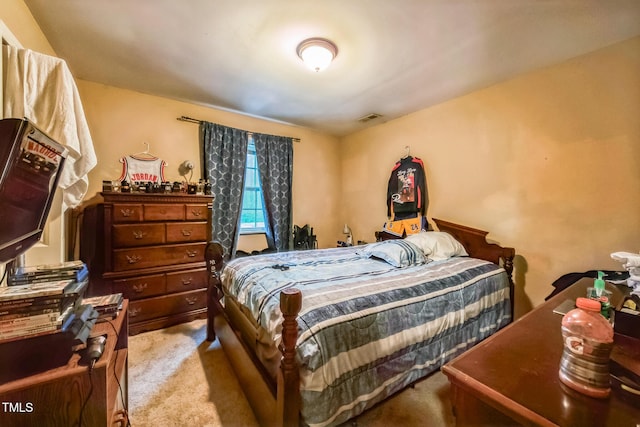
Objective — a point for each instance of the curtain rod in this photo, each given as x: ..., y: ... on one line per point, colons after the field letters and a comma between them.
x: 192, y: 120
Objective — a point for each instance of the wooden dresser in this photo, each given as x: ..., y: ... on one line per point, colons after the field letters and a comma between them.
x: 151, y: 248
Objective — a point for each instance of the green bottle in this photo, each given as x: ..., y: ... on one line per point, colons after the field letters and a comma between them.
x: 599, y: 293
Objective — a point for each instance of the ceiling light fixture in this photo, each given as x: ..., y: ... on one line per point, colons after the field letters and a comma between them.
x: 317, y: 53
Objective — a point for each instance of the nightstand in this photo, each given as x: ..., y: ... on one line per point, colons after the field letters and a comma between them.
x: 44, y: 383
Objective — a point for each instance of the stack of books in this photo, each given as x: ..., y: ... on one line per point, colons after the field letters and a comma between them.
x: 107, y: 306
x: 38, y: 308
x: 49, y: 272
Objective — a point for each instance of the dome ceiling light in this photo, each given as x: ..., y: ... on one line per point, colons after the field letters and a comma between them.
x: 317, y: 53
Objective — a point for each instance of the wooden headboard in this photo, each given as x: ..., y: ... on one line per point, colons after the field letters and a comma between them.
x: 475, y: 243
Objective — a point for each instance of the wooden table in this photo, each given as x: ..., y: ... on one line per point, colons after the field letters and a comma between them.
x: 511, y: 377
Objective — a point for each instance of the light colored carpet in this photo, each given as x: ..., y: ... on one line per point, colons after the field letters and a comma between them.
x: 177, y: 378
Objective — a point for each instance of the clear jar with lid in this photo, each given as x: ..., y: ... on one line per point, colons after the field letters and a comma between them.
x: 588, y: 341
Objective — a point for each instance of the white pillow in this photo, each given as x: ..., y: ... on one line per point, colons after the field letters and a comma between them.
x: 437, y: 245
x: 398, y: 253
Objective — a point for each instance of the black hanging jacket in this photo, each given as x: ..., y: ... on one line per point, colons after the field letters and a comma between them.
x: 406, y: 192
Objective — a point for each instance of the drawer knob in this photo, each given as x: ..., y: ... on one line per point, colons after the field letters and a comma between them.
x: 191, y: 300
x: 133, y: 312
x: 195, y: 212
x: 140, y: 287
x: 186, y: 233
x: 191, y: 254
x: 126, y: 212
x: 187, y: 281
x: 139, y: 234
x: 132, y: 259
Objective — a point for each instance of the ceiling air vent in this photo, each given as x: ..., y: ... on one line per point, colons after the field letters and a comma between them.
x: 369, y: 117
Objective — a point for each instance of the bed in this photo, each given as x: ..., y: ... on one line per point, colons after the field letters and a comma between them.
x: 317, y: 337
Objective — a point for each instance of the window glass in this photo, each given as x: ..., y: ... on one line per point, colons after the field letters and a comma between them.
x: 252, y: 218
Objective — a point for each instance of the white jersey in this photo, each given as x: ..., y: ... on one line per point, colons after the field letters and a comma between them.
x: 142, y: 169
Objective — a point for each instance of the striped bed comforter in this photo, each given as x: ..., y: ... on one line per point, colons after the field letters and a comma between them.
x: 368, y: 329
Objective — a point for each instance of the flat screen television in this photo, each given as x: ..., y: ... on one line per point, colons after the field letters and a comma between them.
x: 30, y: 166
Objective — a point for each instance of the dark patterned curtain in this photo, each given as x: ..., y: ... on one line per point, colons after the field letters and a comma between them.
x: 275, y: 163
x: 225, y: 157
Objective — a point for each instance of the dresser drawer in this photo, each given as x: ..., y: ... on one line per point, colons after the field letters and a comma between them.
x: 186, y: 232
x: 126, y: 212
x: 196, y: 212
x: 157, y: 256
x: 141, y: 287
x: 167, y: 305
x: 129, y: 235
x: 187, y: 280
x: 163, y: 212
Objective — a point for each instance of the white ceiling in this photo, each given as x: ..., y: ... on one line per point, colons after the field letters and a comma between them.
x: 395, y: 57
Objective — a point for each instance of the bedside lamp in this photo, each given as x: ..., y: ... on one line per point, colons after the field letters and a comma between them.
x: 346, y: 230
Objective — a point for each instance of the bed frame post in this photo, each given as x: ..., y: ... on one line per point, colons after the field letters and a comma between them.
x: 288, y: 411
x: 213, y: 254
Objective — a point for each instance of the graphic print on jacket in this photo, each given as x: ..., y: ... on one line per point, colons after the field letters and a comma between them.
x: 406, y: 191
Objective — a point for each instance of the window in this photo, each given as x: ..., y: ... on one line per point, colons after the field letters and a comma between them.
x: 252, y: 216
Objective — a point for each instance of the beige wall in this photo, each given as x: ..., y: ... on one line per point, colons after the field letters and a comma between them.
x: 121, y: 121
x: 17, y: 17
x: 548, y: 162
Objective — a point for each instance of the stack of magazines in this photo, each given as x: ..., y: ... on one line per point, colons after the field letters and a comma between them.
x: 38, y: 308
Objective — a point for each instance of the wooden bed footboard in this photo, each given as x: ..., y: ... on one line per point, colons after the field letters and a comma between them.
x: 273, y: 404
x: 279, y: 404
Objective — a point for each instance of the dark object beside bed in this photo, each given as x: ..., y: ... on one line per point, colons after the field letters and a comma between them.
x: 276, y: 399
x: 566, y: 280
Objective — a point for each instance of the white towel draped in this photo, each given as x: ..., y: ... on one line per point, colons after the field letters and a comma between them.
x: 631, y: 262
x: 41, y: 88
